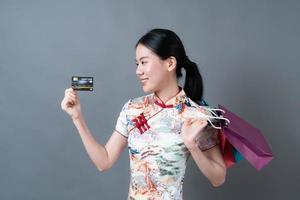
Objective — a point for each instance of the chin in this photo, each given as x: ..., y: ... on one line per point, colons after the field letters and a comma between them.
x: 147, y: 89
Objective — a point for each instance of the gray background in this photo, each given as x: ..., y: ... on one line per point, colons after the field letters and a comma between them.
x: 247, y: 52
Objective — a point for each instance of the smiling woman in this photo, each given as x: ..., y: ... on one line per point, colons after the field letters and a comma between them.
x: 162, y: 47
x: 159, y: 133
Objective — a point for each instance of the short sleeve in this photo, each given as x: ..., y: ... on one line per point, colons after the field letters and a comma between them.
x: 122, y: 121
x: 209, y: 137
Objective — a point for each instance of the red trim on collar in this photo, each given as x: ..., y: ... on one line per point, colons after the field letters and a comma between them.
x: 162, y: 104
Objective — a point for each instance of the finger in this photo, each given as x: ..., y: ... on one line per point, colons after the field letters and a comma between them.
x: 201, y: 125
x: 72, y: 95
x: 204, y: 122
x: 72, y: 99
x: 68, y: 100
x: 188, y: 122
x: 71, y: 90
x: 201, y: 122
x: 68, y: 90
x: 193, y: 121
x: 62, y: 105
x: 65, y: 104
x: 70, y: 105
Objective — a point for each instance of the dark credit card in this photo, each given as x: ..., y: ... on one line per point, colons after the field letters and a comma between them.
x: 82, y: 83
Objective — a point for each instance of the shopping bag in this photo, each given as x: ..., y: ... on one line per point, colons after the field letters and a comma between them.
x: 246, y: 140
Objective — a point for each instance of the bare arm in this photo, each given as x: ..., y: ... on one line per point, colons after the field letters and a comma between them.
x: 211, y: 163
x: 103, y: 157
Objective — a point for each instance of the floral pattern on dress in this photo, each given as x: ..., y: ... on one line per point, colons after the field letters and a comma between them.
x: 157, y: 153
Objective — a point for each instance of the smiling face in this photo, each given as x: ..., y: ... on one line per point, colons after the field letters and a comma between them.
x: 153, y: 72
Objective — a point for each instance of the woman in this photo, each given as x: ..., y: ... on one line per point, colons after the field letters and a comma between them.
x: 159, y: 128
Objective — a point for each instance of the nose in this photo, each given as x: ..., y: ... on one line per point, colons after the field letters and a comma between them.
x: 138, y: 71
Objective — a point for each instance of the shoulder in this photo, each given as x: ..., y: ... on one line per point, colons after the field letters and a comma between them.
x: 137, y: 103
x: 202, y: 106
x: 189, y: 102
x: 141, y: 99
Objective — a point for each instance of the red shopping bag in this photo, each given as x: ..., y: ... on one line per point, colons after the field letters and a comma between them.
x: 226, y: 149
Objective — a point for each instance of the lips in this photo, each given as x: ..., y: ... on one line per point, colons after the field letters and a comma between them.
x: 143, y: 80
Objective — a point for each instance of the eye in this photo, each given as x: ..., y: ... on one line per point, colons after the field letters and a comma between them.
x: 143, y: 62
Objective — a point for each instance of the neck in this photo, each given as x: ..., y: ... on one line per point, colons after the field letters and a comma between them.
x: 167, y: 93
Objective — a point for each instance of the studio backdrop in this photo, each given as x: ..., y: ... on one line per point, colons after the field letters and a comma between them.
x: 247, y: 53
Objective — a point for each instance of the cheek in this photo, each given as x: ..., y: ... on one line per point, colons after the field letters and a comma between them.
x: 155, y: 70
x: 157, y: 79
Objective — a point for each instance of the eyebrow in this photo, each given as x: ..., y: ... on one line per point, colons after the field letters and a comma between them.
x: 142, y: 58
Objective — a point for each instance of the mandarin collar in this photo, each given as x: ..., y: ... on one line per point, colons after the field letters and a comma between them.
x: 180, y: 97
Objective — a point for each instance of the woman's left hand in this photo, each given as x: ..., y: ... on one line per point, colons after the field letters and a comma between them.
x: 191, y: 131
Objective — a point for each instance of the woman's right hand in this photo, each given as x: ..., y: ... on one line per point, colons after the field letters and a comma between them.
x: 71, y: 103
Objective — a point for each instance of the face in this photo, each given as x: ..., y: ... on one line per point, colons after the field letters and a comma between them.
x: 153, y: 72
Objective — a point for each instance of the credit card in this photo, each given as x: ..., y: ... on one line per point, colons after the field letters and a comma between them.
x: 82, y: 83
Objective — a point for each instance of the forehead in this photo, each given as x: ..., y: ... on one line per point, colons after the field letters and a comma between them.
x: 143, y: 51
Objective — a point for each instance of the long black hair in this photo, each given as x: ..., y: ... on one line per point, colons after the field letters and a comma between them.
x: 165, y: 43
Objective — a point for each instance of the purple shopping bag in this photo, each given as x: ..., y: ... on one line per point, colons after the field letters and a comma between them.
x: 247, y: 139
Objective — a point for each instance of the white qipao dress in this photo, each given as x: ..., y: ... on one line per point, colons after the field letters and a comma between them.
x: 157, y: 152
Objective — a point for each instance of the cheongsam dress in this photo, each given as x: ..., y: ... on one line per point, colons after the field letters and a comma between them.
x: 157, y: 153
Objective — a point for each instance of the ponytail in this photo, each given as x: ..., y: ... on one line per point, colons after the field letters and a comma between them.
x: 193, y: 85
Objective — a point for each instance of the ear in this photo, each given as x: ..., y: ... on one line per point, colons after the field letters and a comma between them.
x: 171, y: 63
